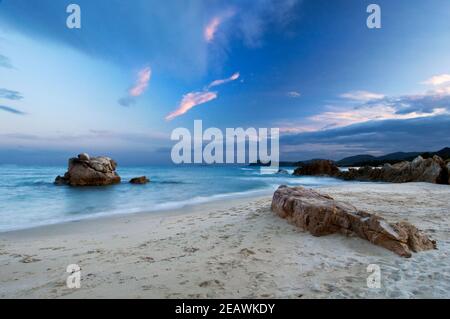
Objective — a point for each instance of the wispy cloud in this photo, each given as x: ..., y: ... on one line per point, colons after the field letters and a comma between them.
x: 366, y: 113
x: 11, y: 110
x: 440, y: 85
x: 375, y: 107
x: 143, y: 79
x: 213, y: 25
x: 294, y: 94
x: 234, y: 77
x: 190, y: 100
x: 193, y: 99
x: 10, y: 95
x: 142, y: 82
x: 211, y: 29
x: 361, y: 96
x: 5, y: 62
x: 375, y: 137
x: 438, y: 80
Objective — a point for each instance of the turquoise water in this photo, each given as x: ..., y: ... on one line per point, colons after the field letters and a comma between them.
x: 28, y: 197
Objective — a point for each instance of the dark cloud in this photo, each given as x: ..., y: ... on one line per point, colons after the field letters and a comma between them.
x: 10, y: 95
x: 378, y: 137
x: 11, y: 110
x: 5, y: 62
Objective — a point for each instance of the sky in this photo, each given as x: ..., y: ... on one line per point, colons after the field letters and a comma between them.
x: 138, y: 69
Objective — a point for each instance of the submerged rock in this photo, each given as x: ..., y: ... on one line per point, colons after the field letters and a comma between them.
x: 140, y: 180
x: 322, y: 215
x: 87, y: 171
x: 318, y: 168
x: 282, y: 172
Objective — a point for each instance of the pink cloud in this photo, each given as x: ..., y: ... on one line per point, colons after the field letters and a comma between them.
x: 213, y: 25
x: 191, y: 100
x: 142, y: 82
x: 211, y: 28
x: 234, y: 77
x: 362, y: 96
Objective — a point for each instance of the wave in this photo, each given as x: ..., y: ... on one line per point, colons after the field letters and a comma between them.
x: 156, y: 207
x: 207, y: 199
x: 170, y: 182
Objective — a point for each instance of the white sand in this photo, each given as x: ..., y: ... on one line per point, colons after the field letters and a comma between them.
x: 231, y: 249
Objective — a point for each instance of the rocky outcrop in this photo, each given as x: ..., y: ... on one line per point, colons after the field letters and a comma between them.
x: 87, y: 171
x: 430, y: 170
x: 140, y: 180
x: 318, y: 168
x: 448, y: 172
x: 321, y: 215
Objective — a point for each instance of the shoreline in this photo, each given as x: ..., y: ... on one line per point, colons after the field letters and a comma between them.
x: 186, y: 210
x: 231, y: 249
x: 181, y: 207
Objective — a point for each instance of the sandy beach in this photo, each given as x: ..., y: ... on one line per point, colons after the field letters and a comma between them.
x: 231, y: 249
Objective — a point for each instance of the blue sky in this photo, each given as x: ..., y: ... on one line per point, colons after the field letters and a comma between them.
x: 138, y: 69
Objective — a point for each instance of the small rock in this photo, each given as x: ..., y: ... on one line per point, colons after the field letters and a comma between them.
x: 247, y: 252
x: 140, y: 180
x: 191, y: 249
x: 29, y: 260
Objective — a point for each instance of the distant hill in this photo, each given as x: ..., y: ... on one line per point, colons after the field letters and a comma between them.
x: 369, y: 160
x: 350, y: 161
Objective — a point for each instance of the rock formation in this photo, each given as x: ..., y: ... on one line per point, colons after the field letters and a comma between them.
x: 448, y: 172
x: 430, y: 170
x: 140, y: 180
x: 87, y: 171
x: 321, y: 215
x: 317, y: 168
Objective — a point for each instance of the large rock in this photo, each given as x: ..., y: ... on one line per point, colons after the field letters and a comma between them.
x: 430, y: 170
x: 318, y: 168
x: 322, y: 215
x: 87, y: 171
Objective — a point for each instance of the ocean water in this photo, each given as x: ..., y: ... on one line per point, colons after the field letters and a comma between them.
x: 28, y: 197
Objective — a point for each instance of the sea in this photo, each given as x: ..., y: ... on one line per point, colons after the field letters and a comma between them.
x: 28, y: 197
